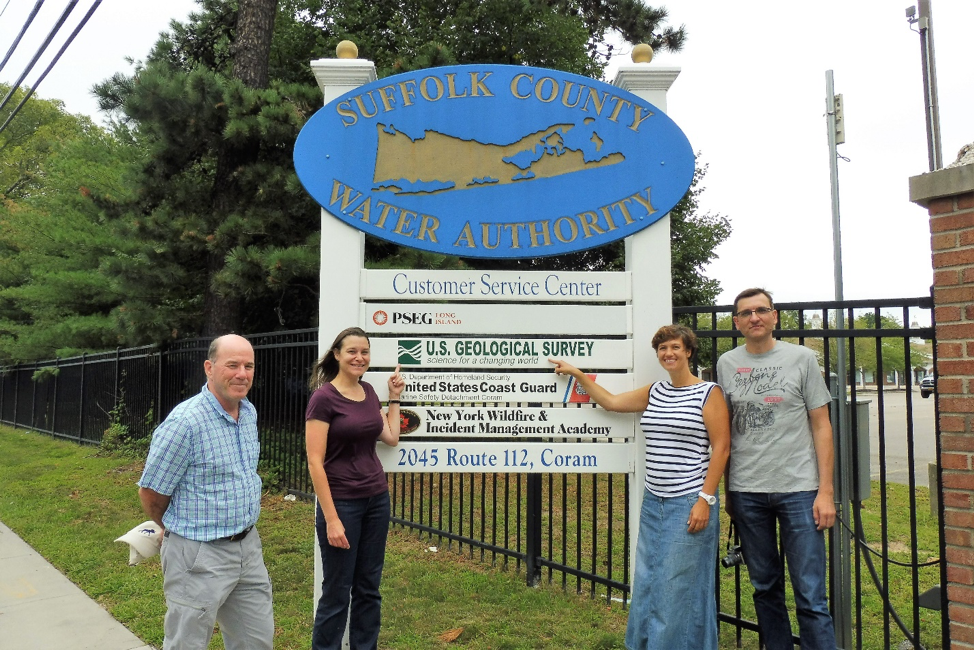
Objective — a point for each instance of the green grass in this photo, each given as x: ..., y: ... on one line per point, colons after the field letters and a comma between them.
x: 69, y: 503
x: 466, y: 515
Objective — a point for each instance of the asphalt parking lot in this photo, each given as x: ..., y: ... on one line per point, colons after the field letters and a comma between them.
x: 922, y: 414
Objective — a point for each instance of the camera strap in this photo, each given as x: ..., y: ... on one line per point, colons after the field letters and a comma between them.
x: 730, y: 535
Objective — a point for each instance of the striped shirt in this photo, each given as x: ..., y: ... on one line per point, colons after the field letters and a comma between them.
x: 207, y: 462
x: 677, y: 444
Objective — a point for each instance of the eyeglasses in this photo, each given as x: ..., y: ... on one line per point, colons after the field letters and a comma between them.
x: 760, y: 311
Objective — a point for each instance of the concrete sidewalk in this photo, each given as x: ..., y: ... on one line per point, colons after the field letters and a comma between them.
x: 40, y: 609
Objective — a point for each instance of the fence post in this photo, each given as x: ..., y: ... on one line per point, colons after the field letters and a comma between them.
x: 115, y: 394
x: 16, y: 392
x: 33, y: 399
x: 157, y: 411
x: 57, y: 371
x: 532, y: 565
x: 3, y: 391
x: 81, y: 400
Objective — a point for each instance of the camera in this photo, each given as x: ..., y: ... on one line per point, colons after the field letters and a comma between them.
x: 734, y: 557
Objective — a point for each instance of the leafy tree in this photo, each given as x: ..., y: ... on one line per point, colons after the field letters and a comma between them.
x: 53, y: 300
x: 29, y: 139
x: 567, y: 35
x: 892, y: 352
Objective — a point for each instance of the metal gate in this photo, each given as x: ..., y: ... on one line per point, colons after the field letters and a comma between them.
x: 885, y: 555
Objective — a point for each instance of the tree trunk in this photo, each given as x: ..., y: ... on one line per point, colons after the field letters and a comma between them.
x: 222, y: 313
x: 255, y: 29
x: 251, y: 54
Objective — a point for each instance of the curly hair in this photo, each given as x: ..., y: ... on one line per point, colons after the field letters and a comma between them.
x: 676, y: 331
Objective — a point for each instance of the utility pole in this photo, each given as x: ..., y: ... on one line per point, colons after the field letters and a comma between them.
x: 931, y: 105
x: 841, y: 575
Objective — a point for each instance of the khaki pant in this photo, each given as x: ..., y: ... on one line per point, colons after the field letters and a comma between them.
x: 216, y: 582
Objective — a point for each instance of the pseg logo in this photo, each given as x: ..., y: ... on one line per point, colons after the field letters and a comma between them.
x: 380, y: 318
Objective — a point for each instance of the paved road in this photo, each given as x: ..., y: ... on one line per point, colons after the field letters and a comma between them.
x: 895, y: 435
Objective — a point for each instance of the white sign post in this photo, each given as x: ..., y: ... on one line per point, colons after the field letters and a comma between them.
x: 648, y: 261
x: 342, y: 247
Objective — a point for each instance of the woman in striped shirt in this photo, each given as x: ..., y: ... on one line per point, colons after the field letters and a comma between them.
x: 687, y: 428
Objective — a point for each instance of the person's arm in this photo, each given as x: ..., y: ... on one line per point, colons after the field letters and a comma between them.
x: 634, y: 401
x: 728, y: 404
x: 824, y: 507
x: 717, y: 421
x: 170, y: 456
x: 154, y: 505
x: 391, y: 421
x: 316, y: 442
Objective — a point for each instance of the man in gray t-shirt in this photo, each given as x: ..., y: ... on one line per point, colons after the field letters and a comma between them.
x: 780, y: 472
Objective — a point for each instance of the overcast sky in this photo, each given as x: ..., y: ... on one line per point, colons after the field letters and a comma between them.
x: 751, y: 99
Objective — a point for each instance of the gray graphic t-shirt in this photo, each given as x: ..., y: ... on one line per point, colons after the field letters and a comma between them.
x: 769, y: 396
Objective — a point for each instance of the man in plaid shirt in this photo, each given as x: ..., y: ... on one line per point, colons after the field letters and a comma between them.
x: 200, y: 484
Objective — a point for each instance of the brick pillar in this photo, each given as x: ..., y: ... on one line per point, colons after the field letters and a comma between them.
x: 948, y: 195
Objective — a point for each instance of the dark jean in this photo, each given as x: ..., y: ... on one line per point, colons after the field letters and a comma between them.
x: 352, y: 575
x: 756, y: 515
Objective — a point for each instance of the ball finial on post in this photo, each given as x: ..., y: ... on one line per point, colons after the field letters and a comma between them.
x: 642, y: 53
x: 346, y: 50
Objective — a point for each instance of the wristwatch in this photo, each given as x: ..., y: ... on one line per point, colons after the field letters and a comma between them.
x: 709, y: 498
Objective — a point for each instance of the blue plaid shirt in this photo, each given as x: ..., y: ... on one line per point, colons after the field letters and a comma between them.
x: 207, y: 462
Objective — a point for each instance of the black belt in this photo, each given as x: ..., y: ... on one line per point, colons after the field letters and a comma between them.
x: 239, y: 536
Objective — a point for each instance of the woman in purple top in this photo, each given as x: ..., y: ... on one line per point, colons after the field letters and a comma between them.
x: 343, y: 422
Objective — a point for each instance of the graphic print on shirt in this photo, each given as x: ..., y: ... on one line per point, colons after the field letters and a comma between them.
x: 758, y: 391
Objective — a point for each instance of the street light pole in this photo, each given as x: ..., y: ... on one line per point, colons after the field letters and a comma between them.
x: 841, y: 540
x: 931, y: 106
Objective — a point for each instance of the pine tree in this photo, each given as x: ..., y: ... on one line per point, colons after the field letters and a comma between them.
x: 226, y: 237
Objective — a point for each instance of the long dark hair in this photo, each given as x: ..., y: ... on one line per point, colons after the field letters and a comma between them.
x: 326, y: 368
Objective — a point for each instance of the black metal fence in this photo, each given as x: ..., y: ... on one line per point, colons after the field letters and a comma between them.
x: 572, y: 529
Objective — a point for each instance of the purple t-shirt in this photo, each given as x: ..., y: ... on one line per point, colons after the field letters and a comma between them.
x: 352, y: 466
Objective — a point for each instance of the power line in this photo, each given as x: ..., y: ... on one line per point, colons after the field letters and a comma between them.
x: 2, y: 12
x: 57, y: 56
x: 23, y: 30
x: 37, y: 55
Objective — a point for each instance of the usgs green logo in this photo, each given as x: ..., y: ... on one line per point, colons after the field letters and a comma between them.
x: 494, y: 161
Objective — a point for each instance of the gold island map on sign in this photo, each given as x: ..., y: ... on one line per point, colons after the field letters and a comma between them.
x: 440, y: 163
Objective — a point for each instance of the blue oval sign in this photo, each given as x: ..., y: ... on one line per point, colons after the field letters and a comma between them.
x: 494, y: 161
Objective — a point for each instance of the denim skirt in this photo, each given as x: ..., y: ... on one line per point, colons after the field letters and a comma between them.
x: 673, y: 605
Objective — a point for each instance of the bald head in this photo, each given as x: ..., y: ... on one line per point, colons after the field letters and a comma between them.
x: 215, y: 344
x: 230, y: 370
